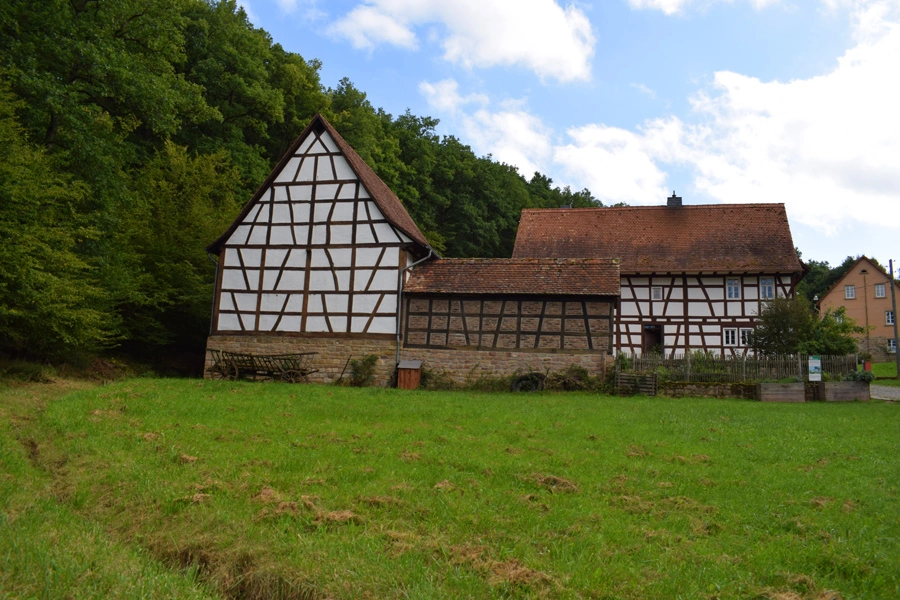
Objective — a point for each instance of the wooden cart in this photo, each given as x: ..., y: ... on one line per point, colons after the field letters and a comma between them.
x: 290, y: 368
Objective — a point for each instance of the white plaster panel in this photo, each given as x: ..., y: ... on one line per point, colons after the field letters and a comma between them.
x: 320, y: 258
x: 363, y: 192
x: 316, y: 324
x: 281, y: 213
x: 343, y: 277
x: 374, y: 212
x: 712, y: 281
x: 365, y: 303
x: 231, y: 258
x: 294, y: 303
x: 644, y: 307
x: 327, y: 140
x: 348, y: 192
x: 403, y: 236
x: 391, y: 257
x: 337, y: 303
x: 338, y: 324
x: 281, y: 236
x: 388, y: 304
x: 636, y: 340
x: 641, y: 293
x: 342, y: 169
x: 676, y: 293
x: 326, y: 191
x: 321, y: 281
x: 751, y: 293
x: 281, y: 193
x: 315, y: 303
x: 321, y: 211
x: 669, y: 340
x: 270, y: 278
x: 226, y: 302
x: 267, y: 322
x: 710, y: 328
x: 229, y: 322
x: 250, y: 217
x: 696, y: 340
x: 385, y: 233
x: 248, y: 321
x: 341, y: 234
x: 626, y: 294
x: 362, y: 213
x: 657, y: 307
x: 320, y: 234
x: 675, y: 309
x: 252, y: 256
x: 718, y: 309
x: 358, y: 324
x: 340, y: 256
x: 233, y: 279
x: 289, y: 170
x: 263, y: 215
x: 734, y: 309
x: 664, y: 281
x: 364, y: 234
x: 698, y: 309
x: 712, y: 340
x: 716, y: 293
x: 301, y: 213
x: 258, y: 235
x: 252, y: 278
x: 634, y: 327
x: 385, y: 279
x: 367, y: 257
x: 305, y: 144
x: 694, y: 328
x: 324, y: 172
x: 383, y: 325
x: 297, y: 258
x: 343, y: 211
x: 301, y: 233
x: 275, y: 256
x: 301, y: 193
x: 307, y: 169
x: 361, y: 279
x: 239, y: 237
x: 640, y: 281
x: 695, y: 293
x: 246, y: 302
x: 317, y: 148
x: 289, y: 323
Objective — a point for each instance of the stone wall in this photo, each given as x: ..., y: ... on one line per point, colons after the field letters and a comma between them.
x: 877, y: 345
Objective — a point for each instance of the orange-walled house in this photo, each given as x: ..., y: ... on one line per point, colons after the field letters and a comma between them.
x: 865, y: 292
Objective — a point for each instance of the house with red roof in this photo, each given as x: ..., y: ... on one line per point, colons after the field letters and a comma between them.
x: 693, y: 277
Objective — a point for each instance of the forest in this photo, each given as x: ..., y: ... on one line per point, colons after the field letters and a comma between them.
x: 133, y: 131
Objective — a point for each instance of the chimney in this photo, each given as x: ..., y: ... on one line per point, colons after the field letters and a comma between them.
x: 674, y: 201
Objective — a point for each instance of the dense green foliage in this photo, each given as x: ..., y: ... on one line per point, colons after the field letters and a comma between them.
x: 133, y: 131
x: 791, y: 326
x: 154, y: 488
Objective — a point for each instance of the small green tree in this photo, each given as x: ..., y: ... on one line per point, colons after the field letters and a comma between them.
x: 791, y: 326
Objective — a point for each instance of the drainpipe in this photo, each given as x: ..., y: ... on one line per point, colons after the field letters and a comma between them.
x: 212, y: 310
x: 400, y: 300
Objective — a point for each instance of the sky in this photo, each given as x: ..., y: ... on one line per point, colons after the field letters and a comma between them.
x: 720, y: 101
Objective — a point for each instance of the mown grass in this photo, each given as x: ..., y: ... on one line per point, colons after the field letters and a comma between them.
x: 276, y: 491
x: 886, y: 370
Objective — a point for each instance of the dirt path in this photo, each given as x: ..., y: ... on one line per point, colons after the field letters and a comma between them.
x: 884, y: 392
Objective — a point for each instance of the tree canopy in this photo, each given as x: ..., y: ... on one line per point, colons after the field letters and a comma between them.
x: 791, y: 326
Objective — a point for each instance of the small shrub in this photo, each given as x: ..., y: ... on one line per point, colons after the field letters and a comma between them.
x: 571, y: 379
x: 362, y: 371
x: 23, y: 371
x: 432, y: 379
x: 866, y: 376
x: 488, y: 383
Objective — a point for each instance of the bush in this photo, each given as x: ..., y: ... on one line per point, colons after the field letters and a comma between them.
x: 436, y: 380
x: 362, y: 371
x: 571, y: 379
x: 866, y: 376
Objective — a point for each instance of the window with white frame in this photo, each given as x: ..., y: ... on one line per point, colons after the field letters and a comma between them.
x: 888, y: 317
x: 892, y: 345
x: 656, y: 293
x: 849, y: 292
x: 733, y: 289
x: 730, y: 337
x: 766, y: 288
x: 880, y: 290
x: 745, y: 336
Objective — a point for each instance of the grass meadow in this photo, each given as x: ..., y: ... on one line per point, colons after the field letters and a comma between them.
x: 158, y: 488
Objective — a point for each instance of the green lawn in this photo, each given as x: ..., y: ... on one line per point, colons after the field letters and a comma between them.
x: 886, y: 370
x: 185, y: 488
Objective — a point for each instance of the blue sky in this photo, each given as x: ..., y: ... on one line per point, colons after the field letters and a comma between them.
x: 721, y: 101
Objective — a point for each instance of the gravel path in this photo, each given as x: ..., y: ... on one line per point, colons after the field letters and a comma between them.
x: 884, y: 392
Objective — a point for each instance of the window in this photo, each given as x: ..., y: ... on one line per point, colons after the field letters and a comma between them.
x: 730, y: 336
x: 766, y: 288
x: 849, y: 292
x: 879, y: 290
x: 745, y: 336
x: 656, y: 293
x: 892, y: 346
x: 733, y: 289
x: 888, y: 317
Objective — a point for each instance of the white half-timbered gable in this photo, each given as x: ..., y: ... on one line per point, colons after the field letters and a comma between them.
x: 319, y: 248
x: 692, y: 277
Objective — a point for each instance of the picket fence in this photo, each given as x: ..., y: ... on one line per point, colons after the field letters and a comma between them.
x: 694, y: 368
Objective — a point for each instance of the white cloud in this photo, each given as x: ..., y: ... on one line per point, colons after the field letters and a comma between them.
x: 554, y: 42
x: 513, y: 136
x: 444, y: 95
x: 671, y: 7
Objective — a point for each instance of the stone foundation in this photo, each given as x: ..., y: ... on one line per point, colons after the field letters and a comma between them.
x: 675, y: 389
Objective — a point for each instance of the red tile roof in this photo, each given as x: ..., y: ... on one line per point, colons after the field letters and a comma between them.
x: 748, y: 238
x: 559, y: 276
x: 387, y: 201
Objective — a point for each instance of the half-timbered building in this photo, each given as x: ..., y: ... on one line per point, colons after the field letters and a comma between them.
x: 693, y: 277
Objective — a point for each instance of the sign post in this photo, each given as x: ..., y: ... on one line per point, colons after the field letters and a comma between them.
x: 815, y: 368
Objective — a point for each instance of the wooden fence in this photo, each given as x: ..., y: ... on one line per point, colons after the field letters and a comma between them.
x: 696, y: 368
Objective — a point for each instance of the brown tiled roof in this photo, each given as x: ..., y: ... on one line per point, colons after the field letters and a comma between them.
x: 387, y: 201
x: 559, y: 276
x: 748, y: 238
